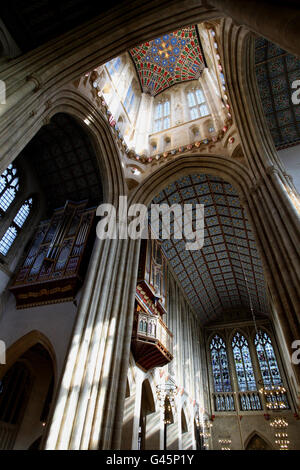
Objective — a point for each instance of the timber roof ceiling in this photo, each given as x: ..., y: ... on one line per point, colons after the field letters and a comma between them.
x: 213, y: 277
x: 275, y: 71
x: 173, y: 58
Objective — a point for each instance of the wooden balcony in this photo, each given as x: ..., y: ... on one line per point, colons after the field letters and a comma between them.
x: 152, y: 341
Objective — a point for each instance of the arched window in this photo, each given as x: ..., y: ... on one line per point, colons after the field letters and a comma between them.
x: 197, y: 103
x: 15, y: 227
x: 162, y: 116
x: 113, y: 66
x: 267, y: 360
x: 220, y: 367
x: 129, y: 99
x: 243, y: 363
x: 9, y: 186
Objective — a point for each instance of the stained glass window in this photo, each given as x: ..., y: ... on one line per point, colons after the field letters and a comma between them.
x: 267, y: 360
x: 197, y: 103
x: 224, y: 402
x: 162, y: 116
x: 220, y: 367
x: 243, y: 363
x: 16, y: 225
x: 23, y: 213
x: 7, y: 240
x: 9, y: 186
x: 250, y: 402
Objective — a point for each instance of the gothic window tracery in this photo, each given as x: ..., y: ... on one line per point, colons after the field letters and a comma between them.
x: 9, y: 186
x: 197, y: 103
x: 243, y: 363
x: 162, y: 116
x: 12, y: 232
x: 220, y: 366
x: 267, y: 359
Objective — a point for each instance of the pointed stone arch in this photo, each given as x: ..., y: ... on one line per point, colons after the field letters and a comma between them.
x: 231, y: 171
x: 28, y: 383
x: 187, y: 427
x: 147, y: 410
x: 127, y: 389
x: 75, y: 104
x: 256, y: 441
x: 71, y: 102
x: 23, y: 344
x: 148, y: 401
x: 184, y: 425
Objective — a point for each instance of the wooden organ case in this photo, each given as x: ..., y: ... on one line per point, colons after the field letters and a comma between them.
x: 55, y: 264
x: 152, y: 341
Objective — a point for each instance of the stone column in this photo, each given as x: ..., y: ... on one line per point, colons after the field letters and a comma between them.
x: 143, y: 124
x: 128, y: 420
x: 179, y: 428
x: 173, y: 434
x: 89, y: 409
x: 137, y: 409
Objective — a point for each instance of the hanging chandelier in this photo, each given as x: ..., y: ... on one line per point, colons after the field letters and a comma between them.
x: 166, y: 396
x: 205, y: 434
x: 204, y: 427
x: 225, y: 444
x: 280, y: 426
x: 274, y: 397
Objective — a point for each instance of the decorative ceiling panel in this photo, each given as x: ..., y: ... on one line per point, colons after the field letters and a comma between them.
x: 65, y: 162
x: 173, y: 58
x: 275, y: 71
x: 213, y: 278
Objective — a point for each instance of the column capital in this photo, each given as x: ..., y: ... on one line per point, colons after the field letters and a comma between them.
x: 272, y: 170
x: 36, y: 80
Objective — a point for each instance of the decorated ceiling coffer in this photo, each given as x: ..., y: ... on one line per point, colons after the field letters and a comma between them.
x: 168, y: 60
x: 152, y: 341
x: 55, y: 264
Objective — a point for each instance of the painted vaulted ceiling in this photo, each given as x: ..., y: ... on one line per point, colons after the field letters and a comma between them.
x: 173, y: 58
x: 32, y: 23
x: 213, y: 278
x: 275, y: 71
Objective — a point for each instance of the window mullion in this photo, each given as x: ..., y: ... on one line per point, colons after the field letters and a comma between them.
x: 242, y: 355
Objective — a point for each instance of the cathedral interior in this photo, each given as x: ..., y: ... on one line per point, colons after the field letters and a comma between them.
x: 140, y: 343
